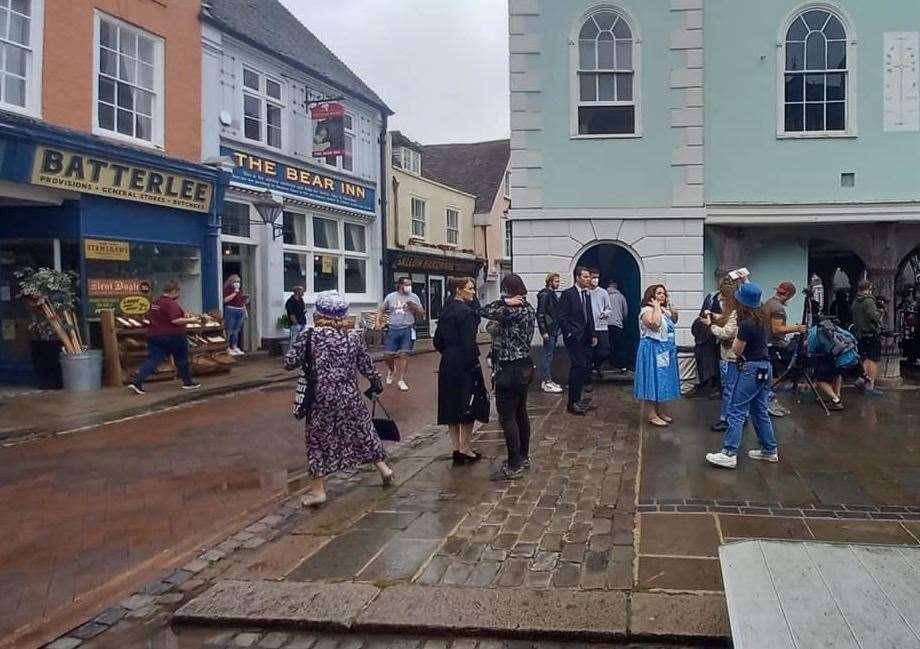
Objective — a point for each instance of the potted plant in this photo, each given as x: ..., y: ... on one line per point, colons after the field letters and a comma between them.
x: 52, y: 298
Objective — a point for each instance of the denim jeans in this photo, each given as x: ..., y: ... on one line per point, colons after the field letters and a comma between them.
x: 295, y: 330
x: 546, y: 357
x: 159, y: 348
x: 750, y: 396
x: 233, y: 323
x: 728, y: 374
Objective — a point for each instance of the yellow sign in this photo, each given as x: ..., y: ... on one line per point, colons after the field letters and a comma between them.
x: 134, y: 305
x: 93, y: 175
x: 108, y: 250
x: 328, y: 264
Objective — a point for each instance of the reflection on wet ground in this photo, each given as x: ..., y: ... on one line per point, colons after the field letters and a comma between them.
x: 868, y: 454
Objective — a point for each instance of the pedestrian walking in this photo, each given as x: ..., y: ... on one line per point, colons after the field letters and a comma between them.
x: 619, y: 312
x: 339, y: 433
x: 600, y: 305
x: 867, y: 327
x: 512, y: 371
x: 657, y: 377
x: 235, y: 302
x: 576, y: 321
x: 462, y: 397
x: 547, y: 305
x: 724, y: 327
x: 296, y: 312
x: 166, y: 336
x: 752, y: 388
x: 402, y: 308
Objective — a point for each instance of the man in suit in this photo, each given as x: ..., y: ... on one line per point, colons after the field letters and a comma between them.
x: 576, y: 321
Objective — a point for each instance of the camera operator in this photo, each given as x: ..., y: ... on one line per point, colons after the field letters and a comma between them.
x: 832, y: 353
x: 780, y: 353
x: 867, y: 326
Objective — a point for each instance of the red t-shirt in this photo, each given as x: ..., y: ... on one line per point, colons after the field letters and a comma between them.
x: 238, y: 301
x: 162, y: 313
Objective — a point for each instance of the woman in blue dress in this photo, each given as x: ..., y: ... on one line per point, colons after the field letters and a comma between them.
x: 657, y: 378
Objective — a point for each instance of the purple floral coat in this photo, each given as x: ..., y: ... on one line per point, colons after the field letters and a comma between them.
x: 339, y: 432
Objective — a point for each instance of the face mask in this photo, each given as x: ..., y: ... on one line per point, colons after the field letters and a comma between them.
x: 594, y: 283
x: 236, y: 286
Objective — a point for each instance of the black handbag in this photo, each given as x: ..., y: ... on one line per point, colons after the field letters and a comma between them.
x: 303, y: 393
x: 386, y: 428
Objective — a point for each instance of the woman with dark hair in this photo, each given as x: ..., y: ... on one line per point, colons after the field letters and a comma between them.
x: 657, y: 377
x: 512, y: 371
x: 462, y: 397
x: 753, y: 383
x: 724, y: 327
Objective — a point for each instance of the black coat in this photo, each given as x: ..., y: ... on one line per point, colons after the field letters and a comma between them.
x: 570, y: 314
x: 459, y: 372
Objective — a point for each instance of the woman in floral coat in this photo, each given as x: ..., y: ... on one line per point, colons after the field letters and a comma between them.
x: 339, y: 432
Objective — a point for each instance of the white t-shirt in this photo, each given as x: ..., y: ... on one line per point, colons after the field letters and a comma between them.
x: 400, y: 315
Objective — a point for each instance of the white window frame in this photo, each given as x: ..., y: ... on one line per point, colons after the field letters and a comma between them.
x: 264, y: 100
x: 506, y: 238
x: 34, y: 51
x: 574, y: 84
x: 413, y: 220
x: 455, y: 230
x: 159, y: 110
x: 309, y: 249
x: 350, y: 140
x: 851, y: 101
x: 411, y: 160
x: 507, y: 183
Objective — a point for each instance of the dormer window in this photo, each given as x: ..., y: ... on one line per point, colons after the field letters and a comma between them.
x: 408, y: 159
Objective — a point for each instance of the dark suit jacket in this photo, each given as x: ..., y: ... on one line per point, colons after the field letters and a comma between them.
x: 571, y: 315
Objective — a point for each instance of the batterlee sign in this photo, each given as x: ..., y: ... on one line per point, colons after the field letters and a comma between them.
x: 95, y: 175
x: 272, y: 174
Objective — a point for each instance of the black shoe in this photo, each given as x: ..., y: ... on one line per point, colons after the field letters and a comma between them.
x: 577, y: 409
x: 587, y: 406
x: 525, y: 464
x: 506, y: 473
x: 136, y: 388
x: 719, y: 427
x: 835, y: 405
x: 463, y: 458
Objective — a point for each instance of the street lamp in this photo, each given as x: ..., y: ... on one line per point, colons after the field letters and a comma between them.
x: 270, y: 205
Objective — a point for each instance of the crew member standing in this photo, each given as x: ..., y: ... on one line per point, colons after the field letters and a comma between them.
x: 867, y: 325
x: 619, y: 311
x: 576, y: 321
x: 600, y: 304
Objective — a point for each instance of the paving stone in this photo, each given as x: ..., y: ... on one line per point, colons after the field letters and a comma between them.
x: 110, y: 615
x: 141, y: 613
x: 760, y: 527
x: 170, y: 598
x: 343, y: 556
x: 473, y: 552
x: 213, y: 555
x: 485, y: 533
x: 231, y: 601
x: 156, y: 588
x: 551, y: 542
x: 254, y: 542
x: 484, y: 574
x: 273, y: 640
x: 301, y: 642
x: 399, y: 560
x: 88, y: 630
x: 65, y: 643
x: 197, y: 565
x: 497, y: 611
x: 246, y: 639
x: 534, y: 579
x: 457, y: 574
x: 454, y: 545
x: 573, y: 552
x: 679, y: 534
x: 525, y: 550
x: 664, y: 616
x: 679, y: 573
x: 512, y: 572
x: 434, y: 571
x: 566, y: 575
x: 504, y: 541
x: 847, y: 531
x: 136, y: 601
x: 544, y: 561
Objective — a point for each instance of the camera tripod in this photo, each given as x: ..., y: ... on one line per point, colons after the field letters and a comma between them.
x: 795, y: 372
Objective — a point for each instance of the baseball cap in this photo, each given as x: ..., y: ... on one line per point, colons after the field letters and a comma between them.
x: 786, y: 288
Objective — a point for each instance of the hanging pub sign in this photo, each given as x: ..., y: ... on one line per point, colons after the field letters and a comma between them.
x: 328, y: 129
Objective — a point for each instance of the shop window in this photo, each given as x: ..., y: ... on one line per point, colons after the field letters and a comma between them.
x: 20, y: 55
x: 605, y: 75
x: 325, y: 273
x: 816, y: 74
x: 149, y: 264
x: 295, y: 270
x: 418, y: 218
x: 235, y: 219
x: 294, y: 228
x: 453, y: 227
x: 325, y: 233
x: 355, y: 275
x: 263, y: 103
x: 354, y: 238
x: 129, y: 81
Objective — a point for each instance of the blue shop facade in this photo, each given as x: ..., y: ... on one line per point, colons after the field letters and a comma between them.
x: 124, y: 220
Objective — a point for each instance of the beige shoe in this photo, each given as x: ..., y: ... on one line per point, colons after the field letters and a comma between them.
x: 312, y: 499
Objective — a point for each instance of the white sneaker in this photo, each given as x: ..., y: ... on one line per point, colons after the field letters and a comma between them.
x: 547, y: 386
x: 313, y: 499
x: 389, y: 378
x: 239, y: 352
x: 758, y: 454
x: 403, y: 386
x: 555, y: 387
x: 723, y: 460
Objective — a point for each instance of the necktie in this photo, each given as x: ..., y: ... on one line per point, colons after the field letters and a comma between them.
x: 587, y: 300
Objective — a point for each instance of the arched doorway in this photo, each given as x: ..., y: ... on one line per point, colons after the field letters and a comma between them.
x: 616, y: 263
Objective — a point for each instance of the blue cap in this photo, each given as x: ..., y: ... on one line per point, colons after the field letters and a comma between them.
x: 749, y: 294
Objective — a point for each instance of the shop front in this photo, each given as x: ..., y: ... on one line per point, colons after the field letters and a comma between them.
x: 430, y: 275
x: 122, y: 220
x: 324, y: 238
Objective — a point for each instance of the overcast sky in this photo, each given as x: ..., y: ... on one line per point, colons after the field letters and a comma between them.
x: 440, y: 65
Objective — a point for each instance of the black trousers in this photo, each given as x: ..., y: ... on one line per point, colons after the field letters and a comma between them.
x: 579, y: 365
x: 617, y: 347
x: 600, y: 353
x: 159, y: 348
x: 511, y: 385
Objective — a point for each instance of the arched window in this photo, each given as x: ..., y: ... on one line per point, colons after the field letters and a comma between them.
x: 816, y: 73
x: 606, y: 75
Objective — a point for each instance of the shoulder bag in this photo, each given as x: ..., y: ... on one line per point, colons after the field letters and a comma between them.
x: 303, y: 393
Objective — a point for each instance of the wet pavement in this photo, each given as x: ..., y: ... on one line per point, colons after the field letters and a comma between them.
x: 90, y: 516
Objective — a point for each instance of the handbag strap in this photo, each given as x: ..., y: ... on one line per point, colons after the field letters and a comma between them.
x: 306, y: 363
x: 382, y: 407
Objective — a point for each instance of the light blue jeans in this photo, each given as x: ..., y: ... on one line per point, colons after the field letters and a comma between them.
x: 233, y: 324
x: 295, y: 330
x: 728, y: 374
x: 546, y: 357
x: 750, y: 396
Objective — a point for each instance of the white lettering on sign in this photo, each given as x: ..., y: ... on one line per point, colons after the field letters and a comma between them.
x: 902, y: 81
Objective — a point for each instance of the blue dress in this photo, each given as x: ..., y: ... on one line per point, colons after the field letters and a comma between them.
x: 657, y: 377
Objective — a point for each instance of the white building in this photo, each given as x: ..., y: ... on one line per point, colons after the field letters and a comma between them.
x: 262, y: 72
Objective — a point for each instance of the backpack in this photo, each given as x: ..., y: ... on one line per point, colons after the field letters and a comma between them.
x: 843, y: 346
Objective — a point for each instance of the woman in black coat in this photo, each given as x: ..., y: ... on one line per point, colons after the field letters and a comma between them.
x: 462, y: 397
